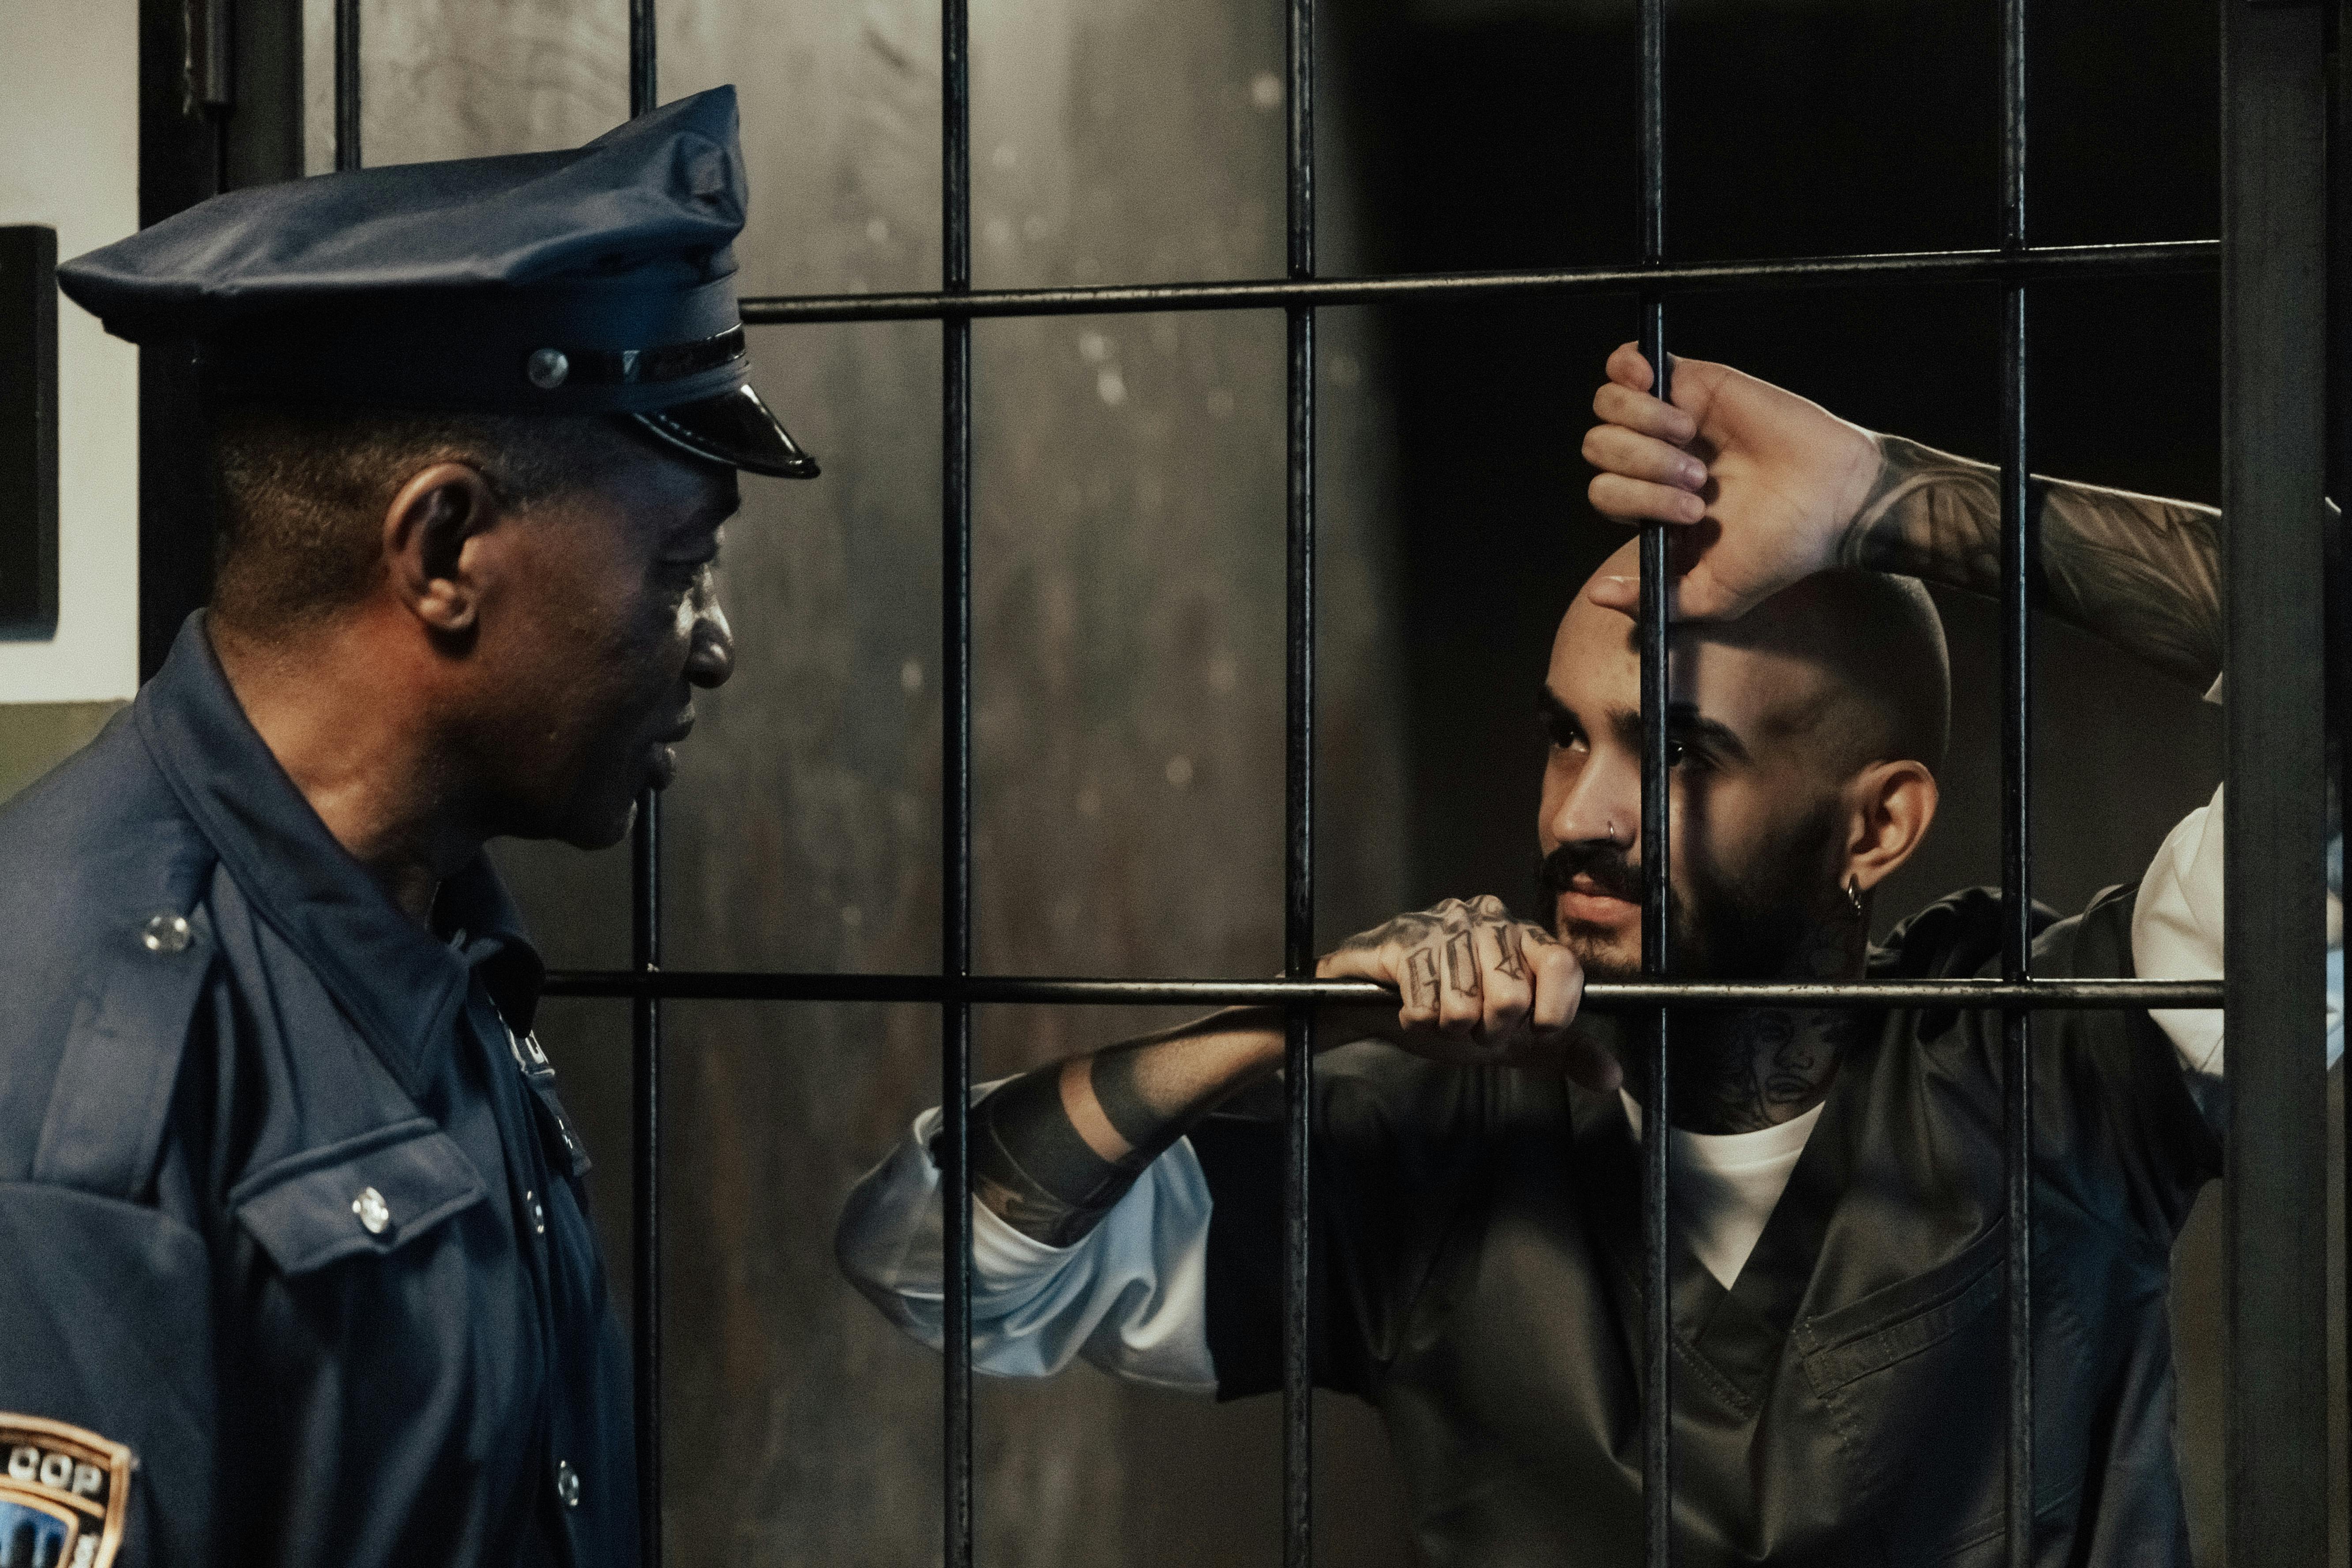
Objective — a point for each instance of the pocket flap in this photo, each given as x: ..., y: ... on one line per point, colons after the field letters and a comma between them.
x: 369, y: 1194
x: 1903, y: 1319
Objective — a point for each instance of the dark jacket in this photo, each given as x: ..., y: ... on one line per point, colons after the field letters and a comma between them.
x: 286, y: 1207
x: 1479, y: 1281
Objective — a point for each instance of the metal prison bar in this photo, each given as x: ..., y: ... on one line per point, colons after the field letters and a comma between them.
x: 1298, y: 791
x: 2017, y: 802
x: 1657, y: 841
x: 2273, y: 127
x: 2270, y: 254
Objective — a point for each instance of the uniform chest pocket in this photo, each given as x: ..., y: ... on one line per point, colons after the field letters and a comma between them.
x: 1911, y: 1379
x: 372, y: 1194
x: 1907, y: 1318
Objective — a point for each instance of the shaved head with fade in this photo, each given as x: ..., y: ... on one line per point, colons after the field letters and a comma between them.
x: 1880, y: 638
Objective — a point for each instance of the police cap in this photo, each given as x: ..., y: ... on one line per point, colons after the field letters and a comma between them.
x: 597, y: 280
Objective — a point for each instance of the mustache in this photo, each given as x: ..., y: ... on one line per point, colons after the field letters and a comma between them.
x: 1604, y: 863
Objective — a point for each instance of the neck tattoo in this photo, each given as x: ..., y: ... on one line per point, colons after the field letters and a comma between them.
x: 1755, y: 1067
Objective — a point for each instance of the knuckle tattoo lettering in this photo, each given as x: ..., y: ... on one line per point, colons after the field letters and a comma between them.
x: 1462, y: 965
x: 1420, y: 979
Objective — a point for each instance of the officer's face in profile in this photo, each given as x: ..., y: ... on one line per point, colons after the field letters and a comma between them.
x: 1759, y: 817
x: 611, y: 621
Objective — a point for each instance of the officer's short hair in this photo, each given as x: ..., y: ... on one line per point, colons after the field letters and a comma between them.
x: 303, y: 492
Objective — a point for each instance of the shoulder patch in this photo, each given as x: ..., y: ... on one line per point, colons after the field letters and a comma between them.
x: 63, y: 1493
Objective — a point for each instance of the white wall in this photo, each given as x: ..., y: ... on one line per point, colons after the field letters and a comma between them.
x: 69, y: 121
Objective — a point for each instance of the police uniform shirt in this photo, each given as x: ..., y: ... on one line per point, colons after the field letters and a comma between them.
x: 292, y: 1221
x: 1477, y: 1279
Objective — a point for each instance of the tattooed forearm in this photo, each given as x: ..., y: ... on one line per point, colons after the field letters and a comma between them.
x: 1054, y: 1150
x: 2142, y: 573
x: 1145, y: 1107
x: 1031, y: 1167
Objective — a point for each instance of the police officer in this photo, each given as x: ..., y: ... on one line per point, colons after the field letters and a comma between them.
x: 298, y: 1264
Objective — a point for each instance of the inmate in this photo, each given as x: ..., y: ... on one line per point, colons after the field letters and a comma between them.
x: 1838, y: 1224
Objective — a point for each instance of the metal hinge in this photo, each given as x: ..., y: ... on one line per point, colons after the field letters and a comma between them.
x: 206, y: 26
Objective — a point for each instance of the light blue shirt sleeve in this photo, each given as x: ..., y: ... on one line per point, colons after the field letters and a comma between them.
x: 1130, y: 1298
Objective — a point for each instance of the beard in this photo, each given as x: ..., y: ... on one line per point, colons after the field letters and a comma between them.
x: 1753, y: 922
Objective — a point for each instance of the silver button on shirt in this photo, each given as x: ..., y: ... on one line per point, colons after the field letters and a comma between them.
x: 165, y: 934
x: 373, y: 1211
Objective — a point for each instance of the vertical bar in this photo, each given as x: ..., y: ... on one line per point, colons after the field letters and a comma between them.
x: 1298, y: 811
x: 2019, y: 550
x: 2273, y: 127
x: 955, y: 774
x: 645, y: 1171
x: 2338, y: 552
x: 179, y: 165
x: 346, y: 84
x: 1657, y: 1125
x: 29, y: 431
x: 646, y: 1047
x: 644, y: 73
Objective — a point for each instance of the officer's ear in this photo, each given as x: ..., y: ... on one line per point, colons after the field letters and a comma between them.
x: 426, y: 530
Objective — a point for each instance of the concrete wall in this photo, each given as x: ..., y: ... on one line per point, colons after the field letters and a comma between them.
x: 1129, y: 676
x: 69, y: 116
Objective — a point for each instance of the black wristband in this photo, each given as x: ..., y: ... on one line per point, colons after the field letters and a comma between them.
x: 1031, y: 1167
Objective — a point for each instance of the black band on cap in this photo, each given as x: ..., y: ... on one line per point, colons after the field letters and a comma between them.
x: 552, y: 367
x: 550, y: 351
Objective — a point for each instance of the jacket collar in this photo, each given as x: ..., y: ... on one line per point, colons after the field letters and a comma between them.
x: 401, y: 985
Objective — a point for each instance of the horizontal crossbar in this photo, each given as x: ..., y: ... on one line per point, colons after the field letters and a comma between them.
x: 2046, y: 263
x: 744, y: 986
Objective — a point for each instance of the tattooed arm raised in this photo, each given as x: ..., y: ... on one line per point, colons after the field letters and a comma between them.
x: 1768, y: 489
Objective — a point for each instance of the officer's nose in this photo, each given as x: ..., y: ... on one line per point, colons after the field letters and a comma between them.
x: 1603, y: 803
x: 710, y: 658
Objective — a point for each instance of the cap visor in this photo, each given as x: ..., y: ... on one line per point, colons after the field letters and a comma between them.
x: 734, y: 430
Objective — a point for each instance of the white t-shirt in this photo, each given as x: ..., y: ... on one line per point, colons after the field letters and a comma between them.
x: 1725, y: 1184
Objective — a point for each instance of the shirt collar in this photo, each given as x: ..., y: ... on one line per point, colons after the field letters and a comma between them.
x: 402, y: 984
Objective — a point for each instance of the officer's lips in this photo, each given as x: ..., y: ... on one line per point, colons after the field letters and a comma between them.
x: 663, y: 766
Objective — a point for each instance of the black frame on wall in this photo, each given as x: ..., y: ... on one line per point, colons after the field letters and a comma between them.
x: 2271, y: 261
x: 28, y: 432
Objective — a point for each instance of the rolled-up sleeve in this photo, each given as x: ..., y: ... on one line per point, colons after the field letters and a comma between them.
x: 2176, y: 935
x: 1130, y: 1298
